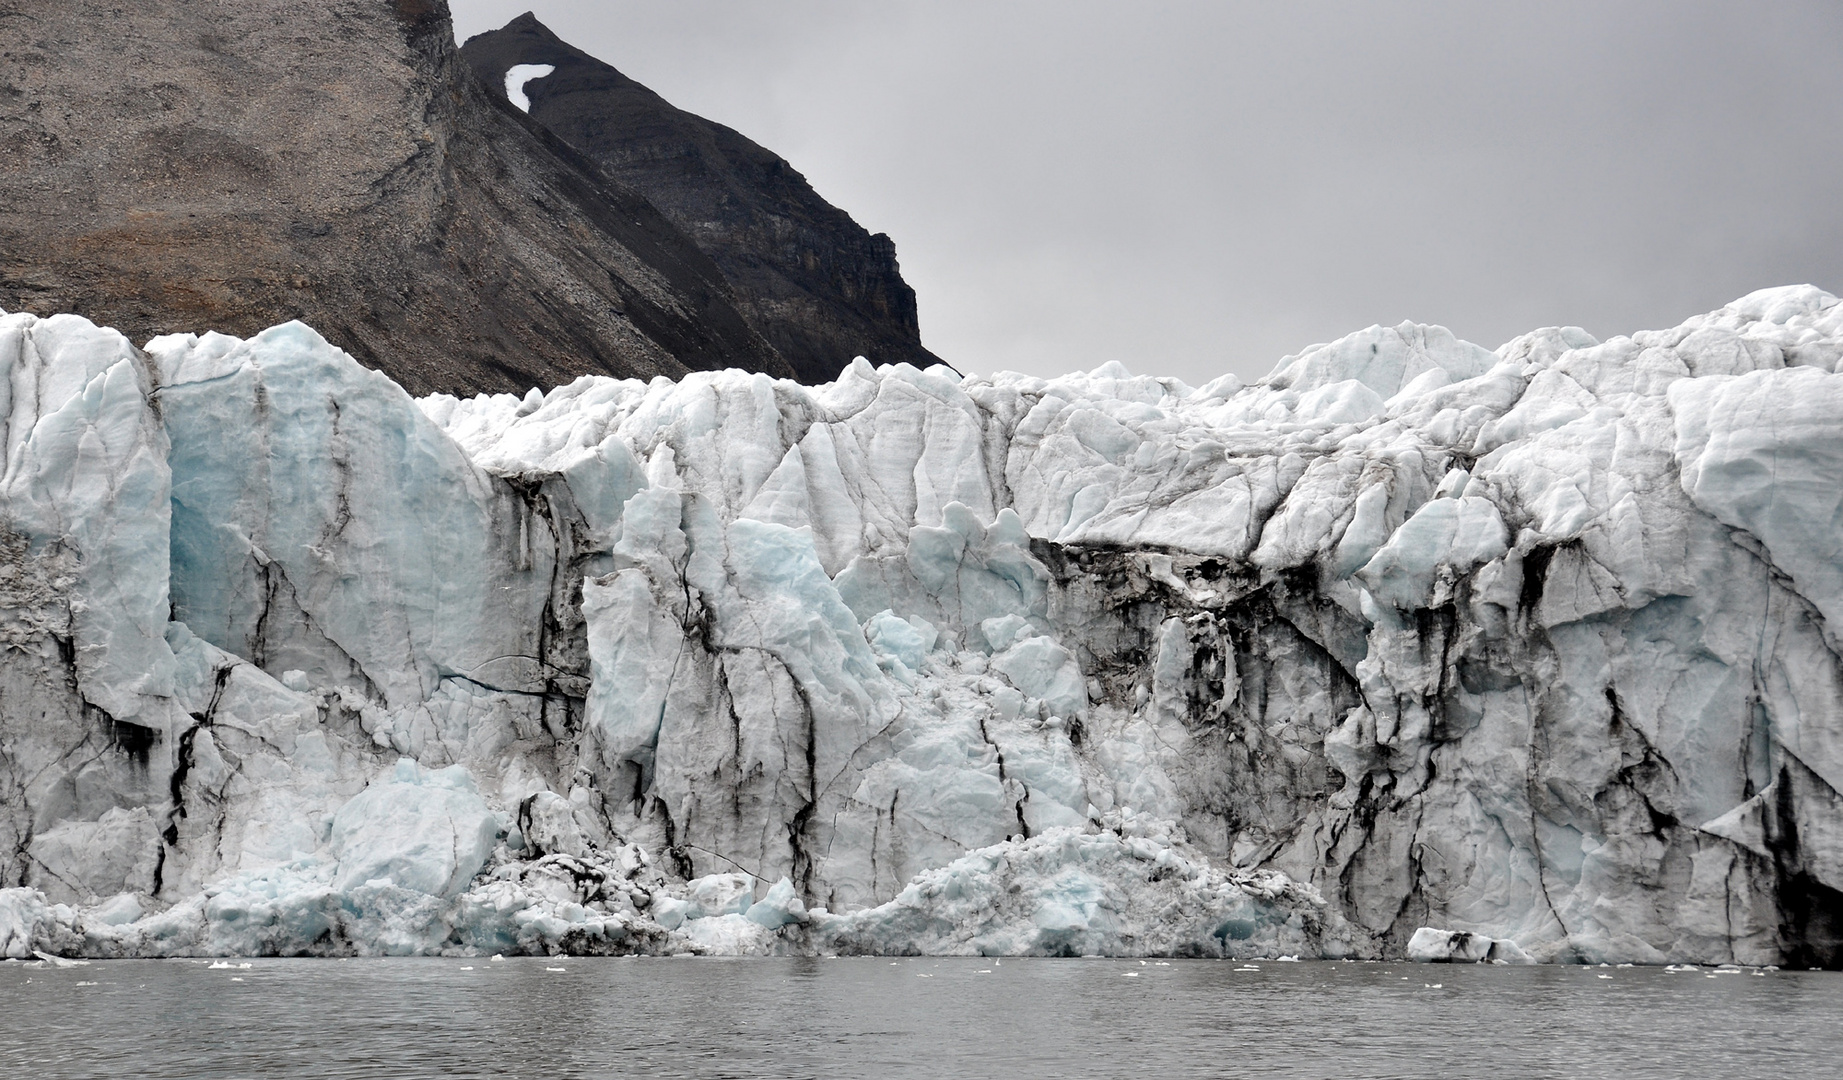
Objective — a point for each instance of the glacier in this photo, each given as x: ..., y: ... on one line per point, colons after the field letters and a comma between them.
x: 1536, y: 646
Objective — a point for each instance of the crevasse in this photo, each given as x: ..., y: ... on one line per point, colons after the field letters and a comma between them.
x: 1535, y: 647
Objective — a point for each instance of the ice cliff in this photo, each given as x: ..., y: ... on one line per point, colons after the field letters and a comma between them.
x: 1537, y: 645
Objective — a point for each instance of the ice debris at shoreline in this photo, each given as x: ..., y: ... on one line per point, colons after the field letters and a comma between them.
x: 1431, y: 946
x: 1063, y: 893
x: 1535, y: 645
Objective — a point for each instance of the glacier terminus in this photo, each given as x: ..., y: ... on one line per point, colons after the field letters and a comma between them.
x: 1410, y: 646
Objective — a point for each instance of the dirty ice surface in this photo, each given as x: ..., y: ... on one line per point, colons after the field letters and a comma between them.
x: 1524, y: 653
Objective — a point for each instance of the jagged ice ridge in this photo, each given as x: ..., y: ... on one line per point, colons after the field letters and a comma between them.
x: 1535, y: 646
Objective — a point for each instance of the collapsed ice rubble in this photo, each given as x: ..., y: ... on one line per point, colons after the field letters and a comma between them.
x: 1431, y: 946
x: 1533, y: 645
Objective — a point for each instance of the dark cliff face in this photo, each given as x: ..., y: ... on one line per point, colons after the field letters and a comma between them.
x: 171, y: 166
x: 808, y: 278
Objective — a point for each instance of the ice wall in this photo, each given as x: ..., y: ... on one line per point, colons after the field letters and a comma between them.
x: 1535, y: 645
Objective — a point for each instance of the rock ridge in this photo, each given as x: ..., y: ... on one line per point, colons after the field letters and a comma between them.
x: 808, y: 278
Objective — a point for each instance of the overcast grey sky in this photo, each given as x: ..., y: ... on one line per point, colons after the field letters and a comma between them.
x: 1193, y: 188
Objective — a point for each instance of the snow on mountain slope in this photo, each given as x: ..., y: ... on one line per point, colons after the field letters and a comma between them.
x: 1535, y: 644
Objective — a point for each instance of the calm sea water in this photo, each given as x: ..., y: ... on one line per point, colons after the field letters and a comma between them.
x: 873, y: 1018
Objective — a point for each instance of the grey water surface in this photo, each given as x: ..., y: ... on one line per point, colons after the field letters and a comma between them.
x: 874, y: 1017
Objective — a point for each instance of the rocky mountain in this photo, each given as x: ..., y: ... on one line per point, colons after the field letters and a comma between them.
x: 1411, y: 647
x: 175, y: 166
x: 807, y: 277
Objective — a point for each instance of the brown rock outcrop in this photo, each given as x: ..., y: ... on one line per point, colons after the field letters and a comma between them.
x: 182, y: 166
